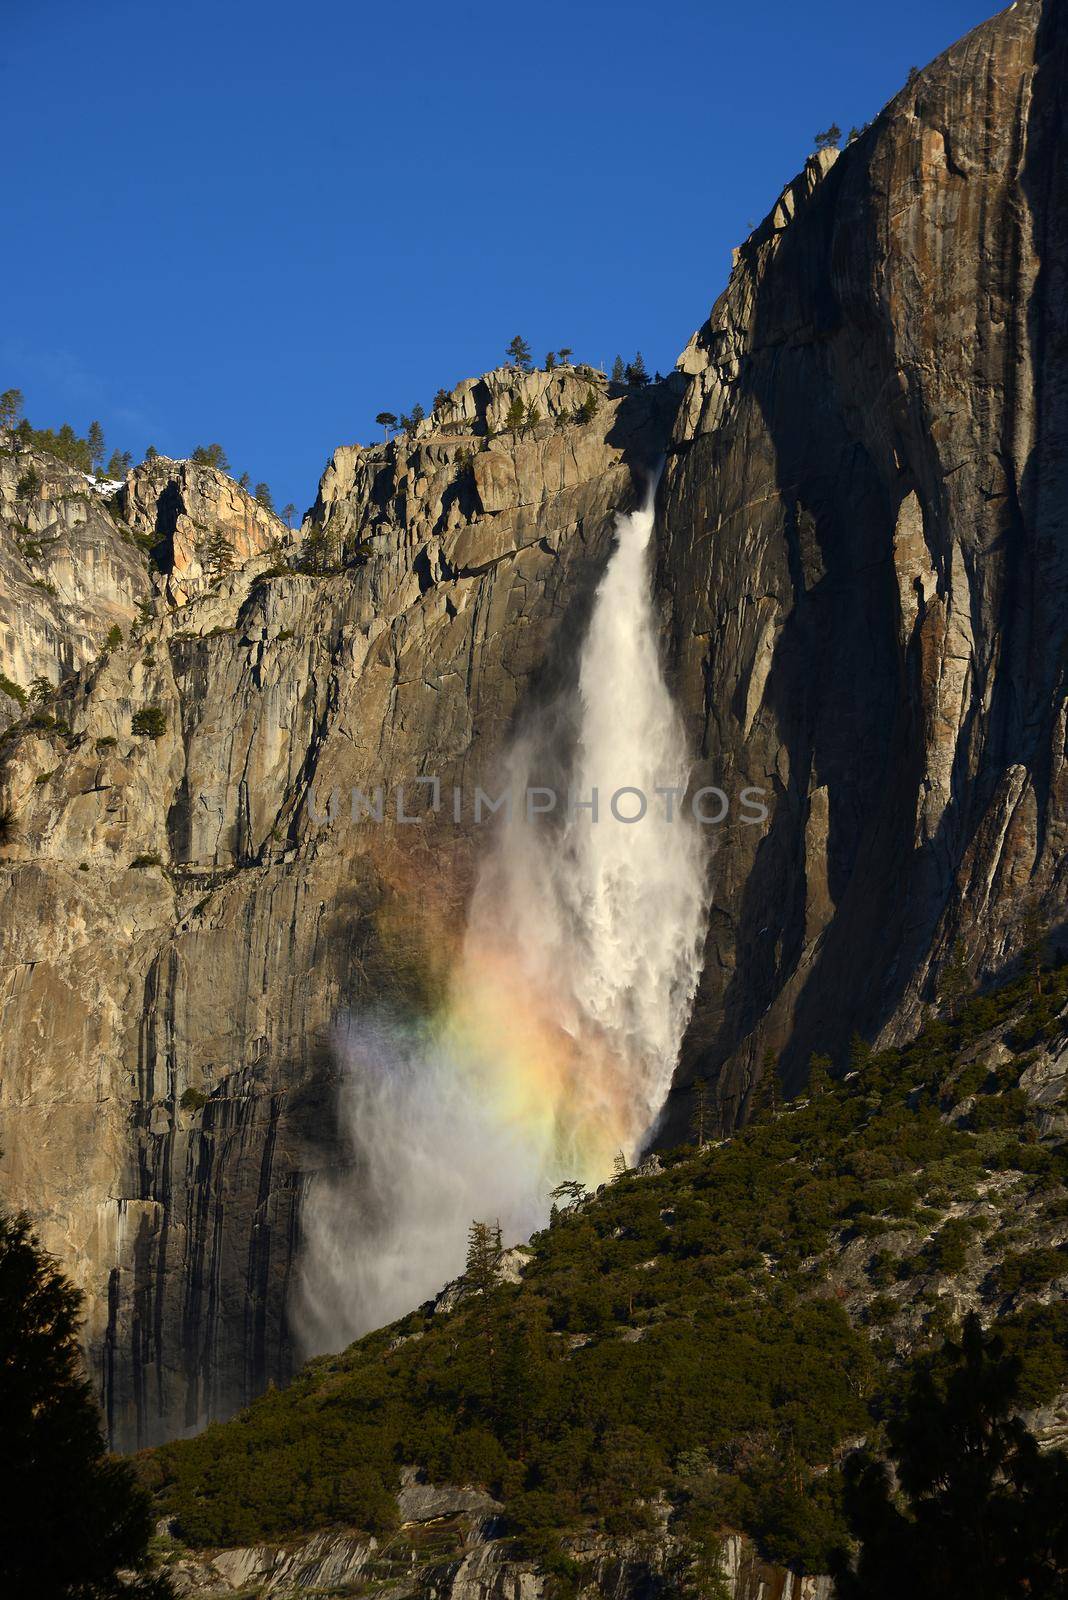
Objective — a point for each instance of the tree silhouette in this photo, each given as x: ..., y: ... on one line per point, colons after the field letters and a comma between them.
x: 95, y: 440
x: 828, y: 139
x: 10, y: 408
x: 74, y: 1517
x: 263, y: 497
x: 289, y: 511
x: 386, y: 420
x: 518, y: 353
x: 210, y: 455
x: 619, y: 371
x: 980, y: 1511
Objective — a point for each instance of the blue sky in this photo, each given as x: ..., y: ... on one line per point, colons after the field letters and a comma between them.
x: 261, y: 223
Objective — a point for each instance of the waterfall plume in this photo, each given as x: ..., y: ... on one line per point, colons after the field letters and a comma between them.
x: 566, y: 1009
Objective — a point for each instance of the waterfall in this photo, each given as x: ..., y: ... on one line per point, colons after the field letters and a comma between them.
x: 566, y: 1009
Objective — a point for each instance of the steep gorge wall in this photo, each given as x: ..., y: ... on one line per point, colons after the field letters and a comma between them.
x: 865, y: 563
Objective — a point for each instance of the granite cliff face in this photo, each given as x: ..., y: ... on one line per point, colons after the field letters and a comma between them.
x: 180, y: 933
x: 864, y: 561
x: 68, y: 572
x: 861, y: 569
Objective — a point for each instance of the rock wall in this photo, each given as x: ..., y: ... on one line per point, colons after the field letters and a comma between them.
x: 179, y: 932
x: 865, y: 563
x: 471, y: 1565
x: 68, y: 572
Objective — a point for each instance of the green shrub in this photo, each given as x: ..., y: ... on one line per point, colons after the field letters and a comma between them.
x: 151, y: 722
x: 14, y: 690
x: 1025, y: 1271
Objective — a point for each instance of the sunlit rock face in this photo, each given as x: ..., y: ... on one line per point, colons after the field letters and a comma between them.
x: 68, y: 572
x: 167, y: 1075
x: 858, y: 563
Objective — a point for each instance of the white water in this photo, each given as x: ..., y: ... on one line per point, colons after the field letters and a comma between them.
x: 579, y: 967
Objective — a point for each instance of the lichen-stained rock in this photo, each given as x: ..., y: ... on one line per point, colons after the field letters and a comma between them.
x: 69, y: 572
x: 865, y: 550
x: 182, y: 925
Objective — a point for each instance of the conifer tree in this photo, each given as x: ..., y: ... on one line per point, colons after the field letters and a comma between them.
x: 289, y: 511
x: 564, y: 354
x: 76, y: 1523
x: 263, y: 497
x: 619, y: 371
x: 701, y: 1115
x: 515, y: 417
x: 819, y: 1075
x: 10, y: 408
x: 387, y: 421
x: 955, y: 980
x: 636, y: 372
x: 979, y: 1510
x: 573, y: 1193
x: 95, y: 441
x: 210, y: 455
x: 518, y: 353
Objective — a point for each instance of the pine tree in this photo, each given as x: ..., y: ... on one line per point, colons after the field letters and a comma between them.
x: 979, y: 1509
x: 765, y: 1097
x: 1033, y: 948
x: 573, y: 1193
x: 95, y: 441
x: 518, y: 353
x: 636, y: 372
x: 588, y: 409
x: 515, y: 417
x: 417, y: 414
x: 387, y: 421
x: 480, y: 1278
x: 819, y: 1075
x: 442, y: 400
x: 701, y: 1114
x: 564, y: 354
x: 210, y: 455
x: 289, y: 512
x: 550, y: 360
x: 954, y: 980
x: 10, y: 408
x: 619, y: 371
x: 151, y: 454
x: 74, y: 1517
x: 263, y: 497
x: 245, y: 482
x: 119, y: 464
x: 532, y: 414
x: 829, y: 138
x: 620, y: 1168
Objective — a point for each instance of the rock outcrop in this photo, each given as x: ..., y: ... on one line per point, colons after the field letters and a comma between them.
x: 69, y: 572
x: 861, y: 571
x: 865, y: 562
x: 468, y: 1566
